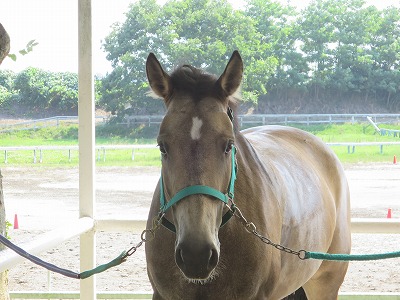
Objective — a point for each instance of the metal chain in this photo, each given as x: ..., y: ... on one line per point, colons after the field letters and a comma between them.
x: 149, y: 234
x: 144, y: 236
x: 251, y: 228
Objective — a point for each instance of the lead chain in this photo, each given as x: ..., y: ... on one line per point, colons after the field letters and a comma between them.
x: 251, y: 228
x: 147, y: 235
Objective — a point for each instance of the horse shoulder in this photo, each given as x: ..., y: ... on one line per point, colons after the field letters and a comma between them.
x: 308, y: 179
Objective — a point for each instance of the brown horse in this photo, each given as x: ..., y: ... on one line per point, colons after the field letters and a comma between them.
x: 288, y: 183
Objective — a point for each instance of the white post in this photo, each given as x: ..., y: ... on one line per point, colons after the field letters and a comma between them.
x: 86, y: 145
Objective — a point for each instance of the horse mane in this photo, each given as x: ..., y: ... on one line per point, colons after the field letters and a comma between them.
x: 200, y: 84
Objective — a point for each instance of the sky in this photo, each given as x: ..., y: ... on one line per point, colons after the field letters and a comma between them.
x: 53, y: 24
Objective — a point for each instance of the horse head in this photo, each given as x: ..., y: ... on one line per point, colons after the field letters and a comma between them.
x: 196, y: 142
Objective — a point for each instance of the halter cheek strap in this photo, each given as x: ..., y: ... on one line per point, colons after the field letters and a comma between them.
x: 203, y: 190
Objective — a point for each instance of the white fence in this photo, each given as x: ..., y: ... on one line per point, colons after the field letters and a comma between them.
x: 283, y: 119
x: 38, y: 151
x: 244, y: 120
x: 56, y: 121
x: 352, y: 146
x: 47, y: 241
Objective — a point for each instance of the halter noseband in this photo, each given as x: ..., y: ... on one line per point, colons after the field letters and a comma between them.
x: 202, y: 190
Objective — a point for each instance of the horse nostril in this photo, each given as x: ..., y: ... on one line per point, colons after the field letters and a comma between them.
x: 213, y: 260
x: 179, y: 258
x: 196, y: 262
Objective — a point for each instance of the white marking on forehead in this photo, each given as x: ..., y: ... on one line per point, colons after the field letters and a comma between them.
x: 196, y: 126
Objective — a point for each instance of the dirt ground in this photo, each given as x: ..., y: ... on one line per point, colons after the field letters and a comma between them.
x: 47, y: 198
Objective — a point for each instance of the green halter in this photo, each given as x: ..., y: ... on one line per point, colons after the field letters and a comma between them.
x: 203, y: 190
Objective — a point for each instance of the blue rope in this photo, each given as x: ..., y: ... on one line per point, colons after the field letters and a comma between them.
x: 36, y: 260
x: 350, y: 257
x: 115, y: 262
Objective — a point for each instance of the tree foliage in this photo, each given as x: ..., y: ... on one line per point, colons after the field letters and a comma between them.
x: 40, y: 89
x: 330, y: 50
x: 331, y: 55
x: 35, y: 90
x: 28, y: 48
x: 202, y: 32
x: 351, y: 49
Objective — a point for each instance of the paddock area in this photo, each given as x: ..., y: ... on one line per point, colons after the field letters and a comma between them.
x: 47, y: 198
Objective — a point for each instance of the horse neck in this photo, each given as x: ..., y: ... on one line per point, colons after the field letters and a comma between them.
x: 253, y: 191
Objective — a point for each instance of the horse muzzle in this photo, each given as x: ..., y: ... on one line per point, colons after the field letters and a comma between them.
x: 197, y: 262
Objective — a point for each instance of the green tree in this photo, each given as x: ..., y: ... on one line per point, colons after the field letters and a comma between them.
x: 128, y: 46
x: 40, y: 90
x: 384, y: 53
x: 316, y: 31
x: 330, y: 50
x: 275, y: 23
x: 6, y: 86
x: 32, y: 85
x: 7, y: 79
x: 63, y: 94
x: 203, y: 33
x: 351, y: 49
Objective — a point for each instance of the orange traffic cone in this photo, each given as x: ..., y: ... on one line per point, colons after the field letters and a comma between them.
x: 16, y: 222
x: 394, y: 160
x: 389, y: 214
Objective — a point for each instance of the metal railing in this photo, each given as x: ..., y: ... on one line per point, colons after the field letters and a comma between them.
x: 244, y: 120
x: 37, y: 151
x: 351, y: 146
x: 47, y: 241
x: 284, y: 119
x: 56, y: 121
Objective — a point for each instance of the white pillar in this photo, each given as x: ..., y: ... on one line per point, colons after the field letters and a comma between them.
x: 86, y: 112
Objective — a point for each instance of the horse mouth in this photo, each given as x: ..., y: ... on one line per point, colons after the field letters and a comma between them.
x: 200, y: 278
x: 198, y: 269
x: 212, y: 276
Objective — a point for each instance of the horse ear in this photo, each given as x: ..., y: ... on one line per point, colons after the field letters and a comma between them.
x: 158, y: 79
x: 231, y: 79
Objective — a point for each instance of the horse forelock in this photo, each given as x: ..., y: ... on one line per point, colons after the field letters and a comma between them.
x: 197, y: 85
x: 194, y: 82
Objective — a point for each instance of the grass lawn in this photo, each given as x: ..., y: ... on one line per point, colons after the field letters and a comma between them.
x: 68, y: 135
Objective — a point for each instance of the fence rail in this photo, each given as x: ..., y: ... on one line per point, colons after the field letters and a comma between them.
x: 37, y: 151
x: 56, y: 121
x: 50, y: 240
x: 285, y: 119
x: 352, y: 146
x: 76, y: 295
x: 244, y: 120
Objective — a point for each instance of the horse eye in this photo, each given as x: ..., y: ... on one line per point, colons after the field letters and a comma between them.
x: 228, y: 147
x: 162, y: 149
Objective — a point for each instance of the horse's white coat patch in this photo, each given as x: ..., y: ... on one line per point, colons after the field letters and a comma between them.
x: 196, y: 126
